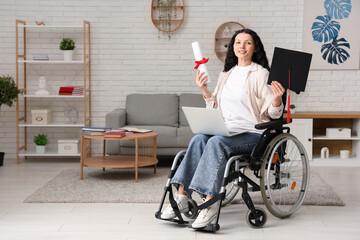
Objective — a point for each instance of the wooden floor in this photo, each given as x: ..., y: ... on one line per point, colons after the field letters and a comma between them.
x: 136, y: 221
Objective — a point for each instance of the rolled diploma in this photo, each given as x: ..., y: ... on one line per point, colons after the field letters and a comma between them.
x: 198, y: 56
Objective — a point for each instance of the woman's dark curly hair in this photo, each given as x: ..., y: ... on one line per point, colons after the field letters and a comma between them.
x: 258, y: 57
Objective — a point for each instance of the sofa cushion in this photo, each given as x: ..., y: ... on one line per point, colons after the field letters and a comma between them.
x: 184, y: 135
x: 152, y: 109
x: 189, y: 100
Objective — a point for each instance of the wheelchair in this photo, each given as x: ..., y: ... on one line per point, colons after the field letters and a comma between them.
x: 278, y: 161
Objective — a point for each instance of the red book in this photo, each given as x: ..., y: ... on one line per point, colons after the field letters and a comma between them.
x: 66, y: 89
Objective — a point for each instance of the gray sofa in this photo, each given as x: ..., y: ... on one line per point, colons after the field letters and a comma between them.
x: 161, y: 113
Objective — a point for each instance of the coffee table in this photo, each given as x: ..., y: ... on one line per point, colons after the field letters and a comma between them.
x: 142, y: 157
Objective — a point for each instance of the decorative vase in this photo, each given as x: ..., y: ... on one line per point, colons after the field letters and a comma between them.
x: 68, y: 55
x: 40, y: 149
x: 292, y: 111
x: 42, y: 87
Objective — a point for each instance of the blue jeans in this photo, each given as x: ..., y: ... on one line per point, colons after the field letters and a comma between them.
x: 203, y: 166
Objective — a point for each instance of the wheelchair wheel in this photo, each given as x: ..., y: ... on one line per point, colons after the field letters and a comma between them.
x: 284, y: 175
x: 256, y: 221
x: 193, y: 209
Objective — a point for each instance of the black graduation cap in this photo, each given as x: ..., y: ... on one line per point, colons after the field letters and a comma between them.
x: 290, y: 67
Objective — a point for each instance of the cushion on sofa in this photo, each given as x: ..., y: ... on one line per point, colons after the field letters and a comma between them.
x: 189, y: 100
x: 184, y: 135
x: 152, y: 109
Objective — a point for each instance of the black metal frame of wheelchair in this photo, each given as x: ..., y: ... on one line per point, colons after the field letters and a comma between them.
x: 252, y: 161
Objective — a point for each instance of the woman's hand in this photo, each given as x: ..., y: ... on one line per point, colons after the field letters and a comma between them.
x: 201, y: 79
x: 278, y: 90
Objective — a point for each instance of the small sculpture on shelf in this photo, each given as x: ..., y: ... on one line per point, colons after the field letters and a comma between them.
x: 71, y: 115
x: 324, y: 153
x: 40, y: 19
x: 226, y: 32
x: 42, y: 87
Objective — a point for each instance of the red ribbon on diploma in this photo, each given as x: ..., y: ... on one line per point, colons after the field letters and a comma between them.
x: 202, y: 61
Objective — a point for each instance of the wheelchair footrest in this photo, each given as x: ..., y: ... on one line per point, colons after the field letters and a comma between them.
x: 158, y: 216
x: 209, y: 228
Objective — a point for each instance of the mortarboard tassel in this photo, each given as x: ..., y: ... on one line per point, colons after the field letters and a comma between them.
x: 288, y: 103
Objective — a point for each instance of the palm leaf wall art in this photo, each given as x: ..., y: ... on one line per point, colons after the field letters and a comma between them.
x: 337, y: 9
x: 335, y: 52
x: 325, y: 30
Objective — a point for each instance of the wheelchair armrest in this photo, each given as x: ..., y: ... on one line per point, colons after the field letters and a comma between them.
x: 278, y: 123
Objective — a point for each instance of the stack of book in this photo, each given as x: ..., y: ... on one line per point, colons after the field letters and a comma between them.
x: 115, y: 134
x: 94, y: 131
x: 71, y: 90
x: 78, y: 90
x: 41, y: 57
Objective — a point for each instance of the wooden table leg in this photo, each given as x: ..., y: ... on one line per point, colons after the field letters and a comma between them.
x: 136, y: 159
x: 154, y: 154
x: 82, y: 156
x: 104, y: 146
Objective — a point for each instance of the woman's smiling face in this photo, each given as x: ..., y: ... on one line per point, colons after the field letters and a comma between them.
x: 244, y: 47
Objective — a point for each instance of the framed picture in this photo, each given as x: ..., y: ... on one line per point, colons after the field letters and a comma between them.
x: 331, y: 33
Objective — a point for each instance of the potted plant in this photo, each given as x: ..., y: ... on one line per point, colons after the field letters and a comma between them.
x: 166, y: 14
x: 67, y: 45
x: 8, y: 95
x: 41, y: 141
x: 8, y: 90
x: 292, y: 108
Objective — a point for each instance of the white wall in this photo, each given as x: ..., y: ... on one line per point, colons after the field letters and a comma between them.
x: 128, y: 56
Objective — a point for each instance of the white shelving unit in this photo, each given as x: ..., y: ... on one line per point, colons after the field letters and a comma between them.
x: 52, y: 61
x: 21, y: 113
x: 310, y: 128
x: 53, y: 96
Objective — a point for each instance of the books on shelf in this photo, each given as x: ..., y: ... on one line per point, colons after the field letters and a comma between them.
x: 135, y: 130
x: 96, y: 129
x: 41, y: 57
x: 71, y: 90
x: 114, y: 134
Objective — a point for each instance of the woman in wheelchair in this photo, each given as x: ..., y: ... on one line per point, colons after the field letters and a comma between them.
x: 245, y: 100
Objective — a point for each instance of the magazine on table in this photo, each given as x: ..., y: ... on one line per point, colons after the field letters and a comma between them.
x: 134, y: 130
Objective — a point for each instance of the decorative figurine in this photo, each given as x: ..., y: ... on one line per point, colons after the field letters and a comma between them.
x: 42, y: 87
x: 40, y: 19
x: 71, y: 114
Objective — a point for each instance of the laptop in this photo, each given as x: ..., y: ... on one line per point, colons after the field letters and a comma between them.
x: 207, y: 121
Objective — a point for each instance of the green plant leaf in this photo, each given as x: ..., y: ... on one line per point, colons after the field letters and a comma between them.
x: 8, y: 90
x: 41, y: 139
x: 67, y: 44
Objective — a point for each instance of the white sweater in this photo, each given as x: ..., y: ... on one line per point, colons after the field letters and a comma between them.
x: 233, y: 102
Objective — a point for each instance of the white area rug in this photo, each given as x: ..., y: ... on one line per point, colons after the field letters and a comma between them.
x: 119, y: 186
